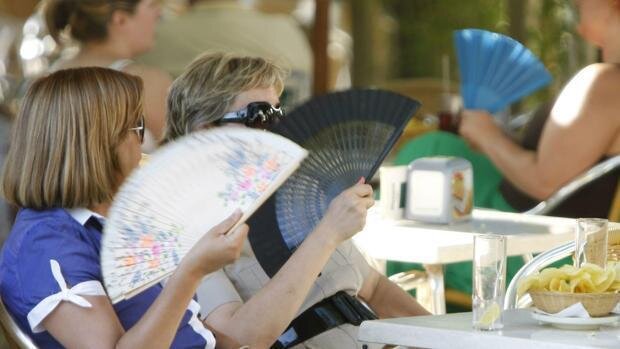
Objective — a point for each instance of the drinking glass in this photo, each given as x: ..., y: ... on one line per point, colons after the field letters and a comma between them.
x: 489, y: 281
x: 591, y: 242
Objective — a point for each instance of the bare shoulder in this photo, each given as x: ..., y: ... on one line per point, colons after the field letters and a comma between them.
x: 63, y: 63
x: 590, y: 96
x: 603, y: 69
x: 594, y: 86
x: 599, y: 77
x: 604, y: 88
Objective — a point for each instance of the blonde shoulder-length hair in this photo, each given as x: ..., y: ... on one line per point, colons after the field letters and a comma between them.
x: 63, y: 150
x: 207, y: 88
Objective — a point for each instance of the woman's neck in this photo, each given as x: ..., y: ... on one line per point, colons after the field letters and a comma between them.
x: 611, y: 54
x: 105, y: 52
x: 611, y: 45
x: 101, y: 209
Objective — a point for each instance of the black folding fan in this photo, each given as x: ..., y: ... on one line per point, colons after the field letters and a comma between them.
x: 348, y: 135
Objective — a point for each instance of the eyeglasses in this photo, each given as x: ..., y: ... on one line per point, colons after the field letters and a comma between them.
x: 139, y: 129
x: 255, y: 115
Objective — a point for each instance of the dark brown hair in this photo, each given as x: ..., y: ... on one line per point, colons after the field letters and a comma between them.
x: 86, y: 20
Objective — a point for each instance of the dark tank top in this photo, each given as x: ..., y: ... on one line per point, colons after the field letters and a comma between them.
x: 593, y: 200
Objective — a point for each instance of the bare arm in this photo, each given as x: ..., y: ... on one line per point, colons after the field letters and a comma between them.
x: 388, y: 300
x: 284, y: 294
x: 98, y: 326
x: 281, y: 298
x: 582, y: 128
x: 520, y: 166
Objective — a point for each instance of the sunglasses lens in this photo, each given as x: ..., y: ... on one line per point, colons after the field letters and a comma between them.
x: 142, y: 130
x: 274, y: 116
x: 141, y: 127
x: 256, y: 123
x: 259, y: 115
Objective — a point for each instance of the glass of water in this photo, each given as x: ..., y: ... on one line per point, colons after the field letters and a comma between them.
x: 591, y: 242
x: 489, y: 281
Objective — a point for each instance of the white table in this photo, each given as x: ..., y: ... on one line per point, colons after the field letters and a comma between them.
x: 434, y: 245
x: 454, y: 331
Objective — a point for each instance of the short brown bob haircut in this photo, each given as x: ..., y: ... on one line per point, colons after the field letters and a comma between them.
x: 63, y: 150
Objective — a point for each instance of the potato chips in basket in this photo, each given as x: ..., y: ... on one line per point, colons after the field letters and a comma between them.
x: 554, y: 289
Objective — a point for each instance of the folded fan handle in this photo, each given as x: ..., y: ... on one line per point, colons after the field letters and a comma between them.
x: 242, y: 220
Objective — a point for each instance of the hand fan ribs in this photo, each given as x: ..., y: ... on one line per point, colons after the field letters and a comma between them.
x: 496, y: 70
x: 186, y: 188
x: 348, y: 135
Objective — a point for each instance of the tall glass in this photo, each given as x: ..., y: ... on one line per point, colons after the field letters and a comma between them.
x: 591, y: 242
x: 489, y: 281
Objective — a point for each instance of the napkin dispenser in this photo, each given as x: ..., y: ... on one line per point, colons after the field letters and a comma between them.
x: 439, y: 190
x: 392, y: 191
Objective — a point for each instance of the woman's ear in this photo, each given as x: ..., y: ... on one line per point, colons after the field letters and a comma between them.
x: 118, y: 18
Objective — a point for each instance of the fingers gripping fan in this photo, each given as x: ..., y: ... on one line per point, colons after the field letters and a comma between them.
x: 348, y: 134
x: 496, y: 70
x: 186, y: 188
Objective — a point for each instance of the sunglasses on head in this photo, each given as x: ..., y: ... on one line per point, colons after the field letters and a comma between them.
x: 256, y: 115
x: 139, y: 128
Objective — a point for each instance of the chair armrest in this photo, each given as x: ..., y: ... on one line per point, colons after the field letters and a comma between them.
x: 540, y: 261
x: 12, y: 331
x: 519, y: 121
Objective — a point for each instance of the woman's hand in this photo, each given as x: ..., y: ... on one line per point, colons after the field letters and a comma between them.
x: 478, y: 128
x: 217, y: 248
x: 346, y: 214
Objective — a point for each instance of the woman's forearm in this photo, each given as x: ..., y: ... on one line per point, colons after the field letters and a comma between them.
x: 218, y: 247
x: 158, y: 326
x: 534, y: 173
x: 276, y: 304
x: 519, y: 166
x: 264, y: 317
x: 387, y: 299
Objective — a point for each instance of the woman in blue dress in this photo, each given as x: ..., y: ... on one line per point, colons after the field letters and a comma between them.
x: 76, y: 138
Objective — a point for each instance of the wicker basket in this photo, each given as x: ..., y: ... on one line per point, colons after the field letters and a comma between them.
x: 597, y: 304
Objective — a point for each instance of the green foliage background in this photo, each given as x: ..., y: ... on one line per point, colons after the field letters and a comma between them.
x: 425, y: 27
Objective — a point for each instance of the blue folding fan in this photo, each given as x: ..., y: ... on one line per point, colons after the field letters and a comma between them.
x: 348, y: 135
x: 496, y: 70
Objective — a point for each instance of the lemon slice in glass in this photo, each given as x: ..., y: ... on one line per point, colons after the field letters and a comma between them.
x: 491, y: 314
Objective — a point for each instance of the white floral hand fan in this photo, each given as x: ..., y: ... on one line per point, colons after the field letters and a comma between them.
x: 186, y: 188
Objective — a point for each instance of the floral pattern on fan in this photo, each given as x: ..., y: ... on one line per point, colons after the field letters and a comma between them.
x: 166, y: 206
x: 251, y: 174
x: 146, y: 244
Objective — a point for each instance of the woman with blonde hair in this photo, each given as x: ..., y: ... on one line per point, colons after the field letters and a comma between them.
x: 111, y: 33
x: 225, y: 89
x: 76, y: 138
